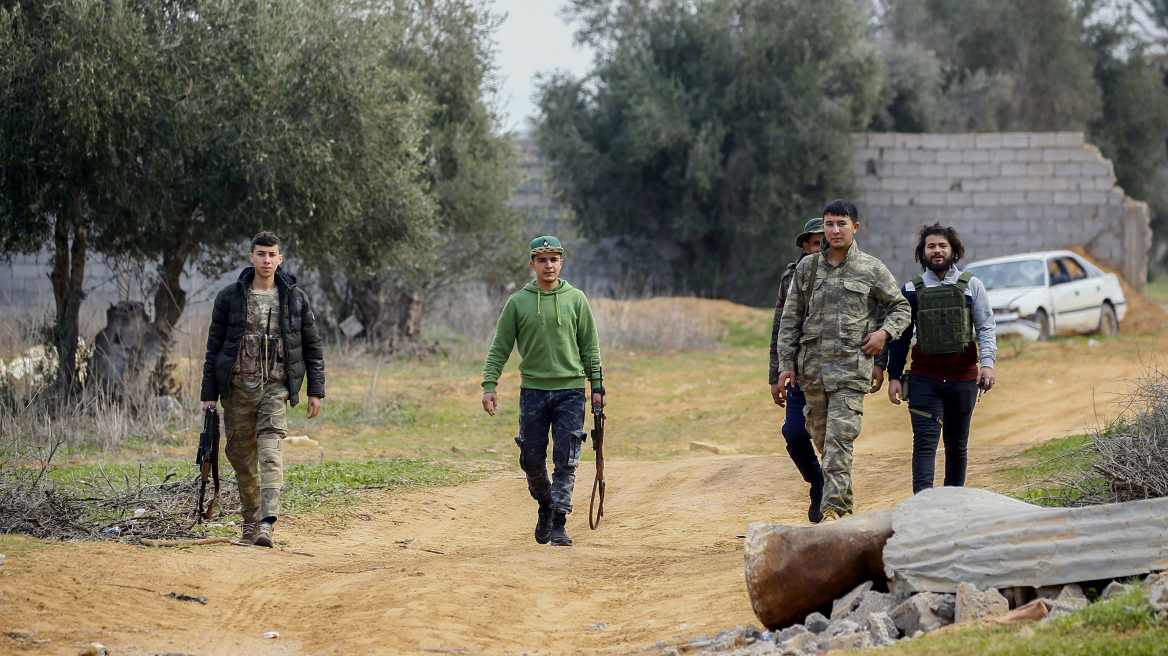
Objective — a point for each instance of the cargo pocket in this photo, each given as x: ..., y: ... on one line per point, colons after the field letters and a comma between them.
x: 854, y: 311
x: 855, y: 404
x: 578, y: 437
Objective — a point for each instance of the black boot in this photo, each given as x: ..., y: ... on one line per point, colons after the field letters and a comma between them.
x: 814, y: 514
x: 559, y: 535
x: 543, y: 526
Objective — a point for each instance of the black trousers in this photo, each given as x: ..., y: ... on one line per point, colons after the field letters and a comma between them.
x: 952, y: 404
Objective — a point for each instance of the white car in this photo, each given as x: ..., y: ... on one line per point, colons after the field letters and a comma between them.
x: 1037, y: 295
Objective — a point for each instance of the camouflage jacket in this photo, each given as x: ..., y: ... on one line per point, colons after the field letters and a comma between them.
x: 820, y: 337
x: 784, y: 287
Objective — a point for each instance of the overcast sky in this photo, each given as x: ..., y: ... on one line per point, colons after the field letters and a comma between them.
x: 532, y: 39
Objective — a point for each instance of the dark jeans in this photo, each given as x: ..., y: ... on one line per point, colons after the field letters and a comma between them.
x: 799, y: 445
x: 953, y: 404
x: 563, y: 412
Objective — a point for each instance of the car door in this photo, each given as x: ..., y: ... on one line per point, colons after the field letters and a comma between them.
x: 1076, y: 297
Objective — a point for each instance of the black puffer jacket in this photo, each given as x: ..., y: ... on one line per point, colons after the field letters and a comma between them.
x: 303, y: 349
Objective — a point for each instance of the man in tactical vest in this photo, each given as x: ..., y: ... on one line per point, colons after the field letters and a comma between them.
x: 261, y: 344
x: 954, y: 326
x: 553, y: 326
x: 830, y: 334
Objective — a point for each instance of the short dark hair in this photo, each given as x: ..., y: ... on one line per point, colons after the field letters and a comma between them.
x: 950, y: 235
x: 840, y: 207
x: 264, y: 238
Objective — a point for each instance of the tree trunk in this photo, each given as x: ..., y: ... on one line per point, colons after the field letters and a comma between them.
x: 392, y: 316
x: 170, y: 300
x: 68, y: 278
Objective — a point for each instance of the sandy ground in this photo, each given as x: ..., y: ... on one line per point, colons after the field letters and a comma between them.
x: 466, y: 574
x: 452, y: 569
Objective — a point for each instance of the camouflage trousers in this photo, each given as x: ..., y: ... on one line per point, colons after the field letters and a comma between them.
x: 562, y: 411
x: 255, y: 421
x: 833, y: 419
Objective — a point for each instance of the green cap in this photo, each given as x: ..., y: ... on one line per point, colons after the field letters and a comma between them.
x: 546, y: 244
x: 813, y: 226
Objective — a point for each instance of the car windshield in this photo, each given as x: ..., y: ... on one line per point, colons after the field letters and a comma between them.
x: 1027, y: 273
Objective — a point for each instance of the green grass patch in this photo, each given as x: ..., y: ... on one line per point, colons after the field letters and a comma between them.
x: 1123, y: 626
x: 1036, y: 482
x: 1157, y: 289
x: 745, y: 335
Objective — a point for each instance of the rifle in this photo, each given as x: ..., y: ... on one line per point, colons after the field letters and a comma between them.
x: 207, y: 457
x: 596, y: 510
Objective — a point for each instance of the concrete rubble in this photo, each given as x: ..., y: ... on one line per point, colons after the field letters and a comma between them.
x: 866, y: 618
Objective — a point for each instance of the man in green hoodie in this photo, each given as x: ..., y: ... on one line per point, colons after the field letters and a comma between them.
x: 559, y: 348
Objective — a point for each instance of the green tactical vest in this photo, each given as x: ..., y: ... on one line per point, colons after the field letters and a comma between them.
x: 944, y: 325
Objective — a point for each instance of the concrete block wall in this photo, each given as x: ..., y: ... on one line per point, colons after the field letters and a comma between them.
x: 1006, y: 193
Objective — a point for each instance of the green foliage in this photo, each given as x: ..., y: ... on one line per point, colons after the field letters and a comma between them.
x: 709, y: 131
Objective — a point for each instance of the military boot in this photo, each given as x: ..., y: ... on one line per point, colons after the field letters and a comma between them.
x: 559, y: 535
x: 264, y: 535
x: 249, y: 533
x: 543, y: 526
x: 814, y: 514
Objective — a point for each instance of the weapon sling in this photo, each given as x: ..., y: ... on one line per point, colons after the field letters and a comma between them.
x: 207, y: 457
x: 596, y: 505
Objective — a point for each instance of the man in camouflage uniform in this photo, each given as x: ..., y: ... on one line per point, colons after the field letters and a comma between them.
x: 262, y: 342
x: 830, y: 334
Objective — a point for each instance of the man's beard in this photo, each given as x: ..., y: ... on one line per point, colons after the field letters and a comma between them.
x: 940, y: 267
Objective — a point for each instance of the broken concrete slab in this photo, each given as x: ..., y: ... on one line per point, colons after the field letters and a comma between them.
x: 882, y: 630
x: 924, y: 612
x: 973, y: 604
x: 1114, y: 589
x: 852, y: 641
x: 1158, y: 597
x: 842, y: 607
x: 816, y: 623
x: 1070, y: 600
x: 804, y: 643
x: 872, y: 602
x: 790, y: 632
x: 839, y: 627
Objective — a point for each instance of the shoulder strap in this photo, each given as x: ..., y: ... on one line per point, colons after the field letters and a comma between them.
x: 918, y: 283
x: 807, y: 286
x: 963, y: 280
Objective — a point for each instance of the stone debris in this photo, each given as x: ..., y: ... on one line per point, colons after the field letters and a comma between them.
x: 867, y: 619
x: 816, y: 623
x: 972, y: 604
x: 844, y: 606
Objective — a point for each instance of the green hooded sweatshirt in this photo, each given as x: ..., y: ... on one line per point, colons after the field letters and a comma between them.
x: 557, y: 338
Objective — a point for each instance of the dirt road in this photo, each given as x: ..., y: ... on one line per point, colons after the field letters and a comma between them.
x: 448, y: 568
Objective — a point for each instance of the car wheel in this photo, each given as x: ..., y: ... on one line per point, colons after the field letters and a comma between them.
x: 1108, y: 323
x: 1043, y: 322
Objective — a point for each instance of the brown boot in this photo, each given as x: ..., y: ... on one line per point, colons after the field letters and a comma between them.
x: 264, y: 535
x: 249, y: 533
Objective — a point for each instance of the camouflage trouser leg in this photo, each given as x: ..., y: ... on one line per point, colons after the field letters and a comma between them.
x: 833, y: 419
x: 255, y: 422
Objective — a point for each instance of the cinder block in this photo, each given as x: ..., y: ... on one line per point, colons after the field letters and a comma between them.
x: 1002, y: 183
x: 948, y: 156
x: 881, y: 140
x: 860, y: 169
x: 933, y: 170
x: 936, y: 141
x: 1030, y: 155
x: 1015, y: 140
x: 1027, y: 183
x: 959, y: 170
x: 1094, y: 197
x: 961, y: 141
x: 988, y: 140
x: 1096, y: 169
x: 975, y: 184
x: 895, y: 155
x: 1014, y: 169
x: 1028, y: 212
x: 908, y: 141
x: 958, y: 198
x: 1056, y: 155
x: 1039, y: 197
x: 859, y: 140
x: 988, y: 226
x: 905, y: 170
x: 932, y: 198
x: 1013, y: 198
x: 1084, y: 213
x: 920, y: 184
x: 1000, y: 155
x: 1104, y: 184
x: 922, y: 156
x: 1042, y: 139
x: 975, y: 156
x: 894, y: 184
x: 1067, y: 198
x: 867, y: 182
x: 986, y: 199
x: 1068, y: 170
x: 864, y: 154
x: 1059, y: 212
x: 1069, y: 139
x: 978, y: 213
x: 903, y: 198
x: 1040, y: 170
x: 987, y: 170
x: 1055, y: 184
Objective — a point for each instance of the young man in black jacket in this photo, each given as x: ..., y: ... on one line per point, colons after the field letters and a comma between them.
x: 262, y: 342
